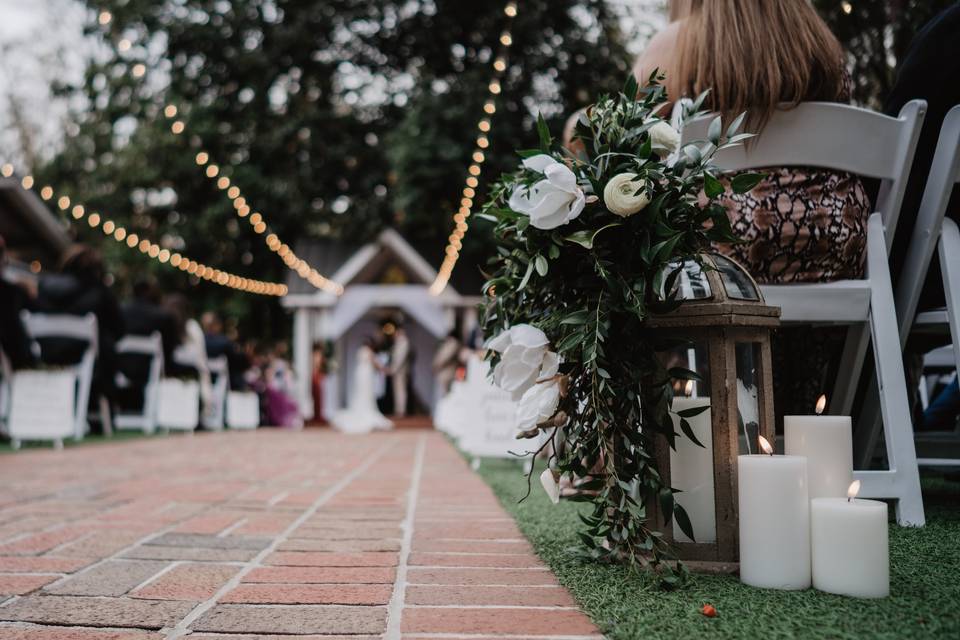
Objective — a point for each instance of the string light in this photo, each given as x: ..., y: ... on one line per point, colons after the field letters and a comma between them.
x: 151, y: 249
x: 242, y: 207
x: 455, y: 241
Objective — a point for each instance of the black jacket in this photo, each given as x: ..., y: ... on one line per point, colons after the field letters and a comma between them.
x: 14, y: 340
x: 67, y: 294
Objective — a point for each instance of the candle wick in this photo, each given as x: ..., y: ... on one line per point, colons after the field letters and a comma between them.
x: 849, y: 499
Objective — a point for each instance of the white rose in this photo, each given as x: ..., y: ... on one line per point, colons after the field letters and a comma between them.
x: 621, y: 197
x: 524, y: 358
x: 550, y: 485
x: 538, y: 404
x: 552, y: 202
x: 664, y: 137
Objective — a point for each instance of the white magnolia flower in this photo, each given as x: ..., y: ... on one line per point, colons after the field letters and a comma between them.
x: 553, y: 201
x: 664, y: 137
x: 550, y: 485
x: 538, y: 404
x: 621, y: 196
x: 747, y: 403
x: 524, y: 359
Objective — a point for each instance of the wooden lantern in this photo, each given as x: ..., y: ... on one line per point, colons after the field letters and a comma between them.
x: 726, y: 327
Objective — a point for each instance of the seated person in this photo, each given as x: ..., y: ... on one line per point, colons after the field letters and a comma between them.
x: 14, y: 341
x: 218, y: 344
x: 143, y: 316
x: 78, y: 289
x: 799, y: 224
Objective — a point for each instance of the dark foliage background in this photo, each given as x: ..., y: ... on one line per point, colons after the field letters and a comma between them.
x: 339, y: 116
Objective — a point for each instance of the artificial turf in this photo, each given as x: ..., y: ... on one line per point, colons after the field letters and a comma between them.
x: 625, y: 604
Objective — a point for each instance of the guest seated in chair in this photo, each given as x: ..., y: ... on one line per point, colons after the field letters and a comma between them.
x: 78, y: 289
x: 219, y: 344
x: 14, y: 341
x: 799, y: 224
x: 143, y: 316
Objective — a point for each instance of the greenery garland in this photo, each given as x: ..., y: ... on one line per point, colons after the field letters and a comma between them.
x: 586, y: 242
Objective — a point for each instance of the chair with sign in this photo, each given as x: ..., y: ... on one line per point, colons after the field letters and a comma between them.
x: 934, y: 233
x: 868, y: 144
x: 42, y: 399
x: 149, y: 348
x: 214, y: 415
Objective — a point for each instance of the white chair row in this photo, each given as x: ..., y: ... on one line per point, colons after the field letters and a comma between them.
x: 864, y: 143
x: 934, y: 233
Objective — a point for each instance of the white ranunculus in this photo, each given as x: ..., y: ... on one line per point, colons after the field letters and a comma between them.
x: 538, y: 404
x: 553, y: 201
x: 524, y: 358
x: 550, y: 485
x: 621, y: 195
x: 664, y: 137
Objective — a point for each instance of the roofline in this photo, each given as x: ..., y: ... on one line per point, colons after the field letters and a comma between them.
x: 43, y: 221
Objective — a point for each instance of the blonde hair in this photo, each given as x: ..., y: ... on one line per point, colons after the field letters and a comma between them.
x: 754, y: 55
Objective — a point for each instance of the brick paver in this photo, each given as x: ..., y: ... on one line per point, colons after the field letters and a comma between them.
x: 270, y: 534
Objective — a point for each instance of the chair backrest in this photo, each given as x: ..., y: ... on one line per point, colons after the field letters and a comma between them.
x: 944, y: 175
x: 151, y: 345
x: 43, y: 325
x: 833, y: 136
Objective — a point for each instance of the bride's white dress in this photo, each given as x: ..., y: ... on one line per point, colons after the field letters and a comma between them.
x: 361, y: 414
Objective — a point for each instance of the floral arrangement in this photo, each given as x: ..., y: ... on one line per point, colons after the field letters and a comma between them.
x: 585, y: 244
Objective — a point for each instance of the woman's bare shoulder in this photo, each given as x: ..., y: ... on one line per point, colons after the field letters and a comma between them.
x: 659, y: 53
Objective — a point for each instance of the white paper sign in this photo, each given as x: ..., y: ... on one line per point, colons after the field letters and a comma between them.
x: 243, y: 410
x: 42, y: 405
x: 178, y: 405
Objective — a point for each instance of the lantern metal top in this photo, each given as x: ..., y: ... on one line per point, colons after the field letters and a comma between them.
x: 716, y: 291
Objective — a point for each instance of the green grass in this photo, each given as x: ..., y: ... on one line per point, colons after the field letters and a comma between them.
x: 924, y: 577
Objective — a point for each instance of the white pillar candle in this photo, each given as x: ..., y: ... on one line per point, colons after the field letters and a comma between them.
x: 691, y: 471
x: 827, y: 443
x: 850, y: 547
x: 774, y: 521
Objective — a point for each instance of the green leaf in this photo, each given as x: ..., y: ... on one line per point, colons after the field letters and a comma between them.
x: 541, y: 265
x: 688, y: 431
x: 711, y: 186
x: 682, y: 373
x: 716, y: 128
x: 577, y: 317
x: 736, y: 124
x: 526, y: 277
x: 745, y: 182
x: 586, y: 238
x: 693, y: 411
x: 544, y: 132
x: 683, y: 520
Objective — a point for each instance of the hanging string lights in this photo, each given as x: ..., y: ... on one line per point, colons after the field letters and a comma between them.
x: 216, y: 174
x: 76, y: 212
x: 455, y: 241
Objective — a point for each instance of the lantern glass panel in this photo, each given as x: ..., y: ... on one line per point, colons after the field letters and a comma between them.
x: 739, y: 285
x: 748, y: 389
x: 691, y: 284
x: 691, y: 465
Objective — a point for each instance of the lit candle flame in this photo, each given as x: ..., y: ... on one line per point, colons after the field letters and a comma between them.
x: 821, y: 404
x: 688, y: 388
x: 765, y: 446
x: 853, y: 490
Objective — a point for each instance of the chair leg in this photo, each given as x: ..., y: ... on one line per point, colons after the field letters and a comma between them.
x: 949, y: 249
x: 105, y: 419
x: 902, y: 481
x: 851, y: 364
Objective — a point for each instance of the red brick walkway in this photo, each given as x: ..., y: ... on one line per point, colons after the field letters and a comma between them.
x: 266, y: 534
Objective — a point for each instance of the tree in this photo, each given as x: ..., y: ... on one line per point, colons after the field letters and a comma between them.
x: 336, y: 118
x: 877, y: 35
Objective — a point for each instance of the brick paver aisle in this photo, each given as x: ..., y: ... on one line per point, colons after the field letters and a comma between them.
x: 266, y: 534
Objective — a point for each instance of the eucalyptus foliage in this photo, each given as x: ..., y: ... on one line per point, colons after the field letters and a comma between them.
x: 589, y: 285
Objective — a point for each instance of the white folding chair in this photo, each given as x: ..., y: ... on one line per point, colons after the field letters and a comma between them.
x: 82, y: 328
x: 6, y: 377
x: 214, y: 415
x: 933, y: 231
x: 144, y: 346
x: 868, y: 144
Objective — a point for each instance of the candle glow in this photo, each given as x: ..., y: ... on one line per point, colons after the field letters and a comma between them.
x: 821, y: 404
x: 765, y: 445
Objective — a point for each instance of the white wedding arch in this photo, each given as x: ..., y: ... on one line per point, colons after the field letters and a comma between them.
x: 382, y: 280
